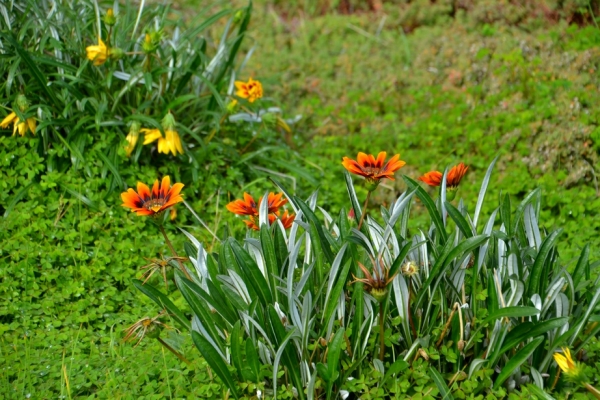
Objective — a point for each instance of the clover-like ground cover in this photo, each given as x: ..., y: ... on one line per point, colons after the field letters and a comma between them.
x: 455, y: 91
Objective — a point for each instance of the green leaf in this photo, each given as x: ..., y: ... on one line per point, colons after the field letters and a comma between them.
x: 311, y: 217
x: 482, y: 191
x: 335, y: 294
x: 32, y: 68
x: 335, y: 349
x: 527, y: 330
x: 440, y: 383
x: 539, y: 392
x: 398, y: 366
x: 512, y: 312
x: 515, y: 361
x: 505, y: 214
x: 252, y: 273
x: 438, y: 270
x: 194, y: 295
x: 582, y: 263
x: 236, y: 352
x: 17, y: 197
x: 430, y: 206
x: 91, y: 204
x: 353, y: 197
x: 111, y: 166
x: 289, y: 357
x: 163, y: 301
x: 460, y: 221
x: 268, y: 251
x: 216, y: 363
x: 533, y: 281
x: 252, y: 361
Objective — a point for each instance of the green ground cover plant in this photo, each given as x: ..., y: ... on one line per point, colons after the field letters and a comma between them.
x: 66, y: 298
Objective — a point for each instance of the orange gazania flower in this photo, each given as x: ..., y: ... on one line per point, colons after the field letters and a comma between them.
x: 453, y: 178
x: 248, y: 206
x: 145, y: 202
x: 373, y: 169
x: 286, y: 220
x: 251, y: 90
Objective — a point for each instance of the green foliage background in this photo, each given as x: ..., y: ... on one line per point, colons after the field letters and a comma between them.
x: 453, y: 89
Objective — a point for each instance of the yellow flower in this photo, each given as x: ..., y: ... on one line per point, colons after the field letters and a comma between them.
x: 21, y: 126
x: 568, y: 366
x: 168, y: 144
x: 98, y: 54
x: 251, y: 90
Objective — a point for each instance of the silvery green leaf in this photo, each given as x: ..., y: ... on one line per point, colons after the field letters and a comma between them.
x: 198, y: 327
x: 482, y: 191
x: 551, y: 294
x: 475, y: 366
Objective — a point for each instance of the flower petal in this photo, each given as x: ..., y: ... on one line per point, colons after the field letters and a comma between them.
x: 143, y: 191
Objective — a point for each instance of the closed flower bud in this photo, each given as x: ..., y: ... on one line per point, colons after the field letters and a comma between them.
x: 269, y: 119
x: 22, y: 102
x: 239, y: 15
x: 109, y: 18
x: 115, y: 53
x: 232, y: 106
x: 168, y: 122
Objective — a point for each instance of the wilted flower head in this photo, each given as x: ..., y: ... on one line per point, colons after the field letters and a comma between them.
x: 410, y: 268
x: 161, y: 265
x: 145, y: 202
x: 251, y: 90
x: 376, y: 283
x: 373, y: 169
x: 146, y: 326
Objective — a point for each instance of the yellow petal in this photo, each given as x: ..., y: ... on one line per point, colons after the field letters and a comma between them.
x: 6, y: 121
x: 561, y: 361
x: 150, y: 135
x: 32, y: 124
x: 22, y: 126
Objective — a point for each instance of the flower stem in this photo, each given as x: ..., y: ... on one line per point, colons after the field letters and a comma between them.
x: 364, y: 210
x: 381, y: 331
x: 162, y: 230
x: 592, y: 390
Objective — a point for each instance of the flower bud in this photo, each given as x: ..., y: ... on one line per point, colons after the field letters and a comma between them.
x: 109, y: 18
x: 152, y: 41
x: 232, y: 106
x: 379, y: 294
x: 22, y: 102
x: 239, y: 15
x: 168, y: 122
x: 115, y: 53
